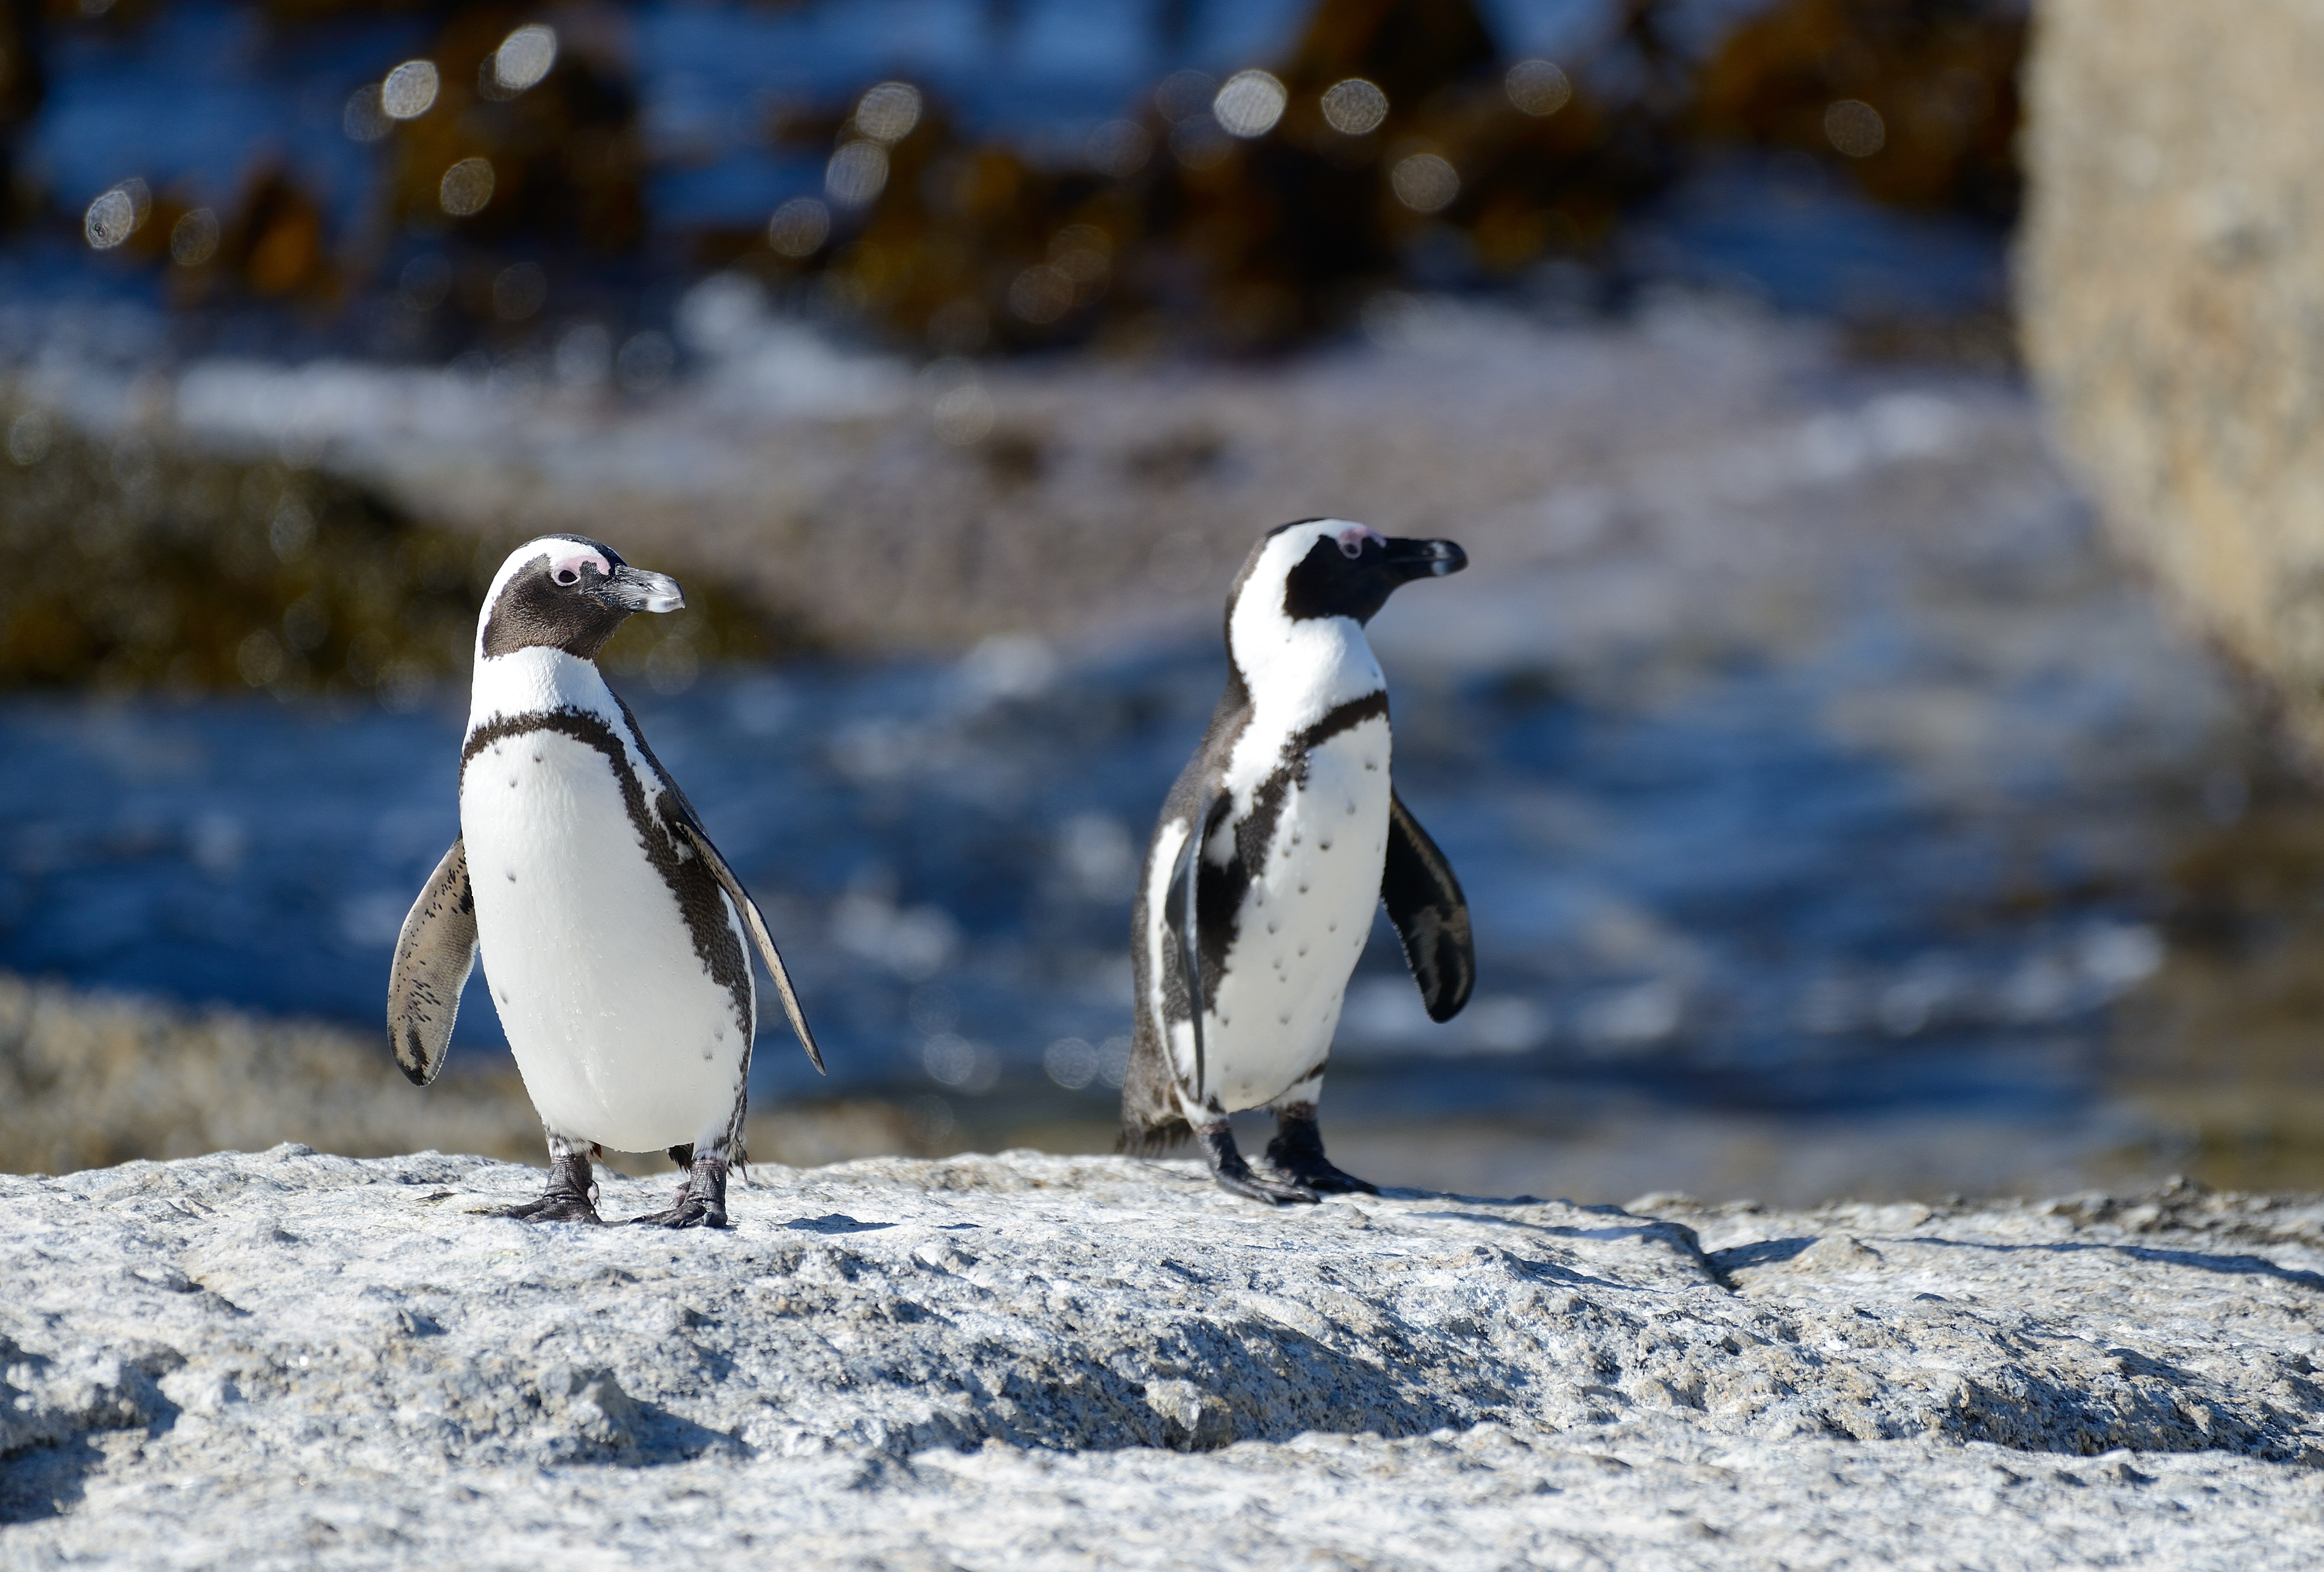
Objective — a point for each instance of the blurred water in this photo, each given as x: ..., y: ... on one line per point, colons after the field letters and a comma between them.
x: 1714, y: 897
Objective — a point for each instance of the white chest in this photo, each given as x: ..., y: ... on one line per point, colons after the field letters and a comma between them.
x: 1304, y: 922
x: 622, y: 1035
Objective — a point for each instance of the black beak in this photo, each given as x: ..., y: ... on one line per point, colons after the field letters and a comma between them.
x: 1422, y: 560
x: 633, y: 589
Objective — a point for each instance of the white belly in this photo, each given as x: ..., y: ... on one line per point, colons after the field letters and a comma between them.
x: 1305, y: 920
x: 622, y: 1035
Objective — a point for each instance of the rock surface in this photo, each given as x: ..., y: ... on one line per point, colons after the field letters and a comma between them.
x: 2169, y: 303
x: 285, y: 1358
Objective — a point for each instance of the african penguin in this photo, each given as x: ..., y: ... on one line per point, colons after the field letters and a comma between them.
x: 616, y: 941
x: 1282, y: 833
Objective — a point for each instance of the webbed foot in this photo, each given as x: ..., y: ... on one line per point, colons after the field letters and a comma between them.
x: 572, y: 1193
x: 1235, y: 1176
x: 701, y: 1201
x: 557, y: 1206
x: 694, y: 1212
x: 1297, y: 1154
x: 1273, y: 1191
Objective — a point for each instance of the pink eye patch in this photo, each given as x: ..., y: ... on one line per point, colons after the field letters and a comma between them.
x: 1352, y: 540
x: 568, y: 571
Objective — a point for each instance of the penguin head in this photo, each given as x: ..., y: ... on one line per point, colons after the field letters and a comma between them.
x: 1321, y: 568
x: 567, y: 593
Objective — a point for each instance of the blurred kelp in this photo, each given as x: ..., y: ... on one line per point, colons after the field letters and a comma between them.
x: 512, y: 129
x: 141, y: 564
x: 1390, y: 145
x: 1918, y: 97
x: 511, y: 143
x: 1393, y: 144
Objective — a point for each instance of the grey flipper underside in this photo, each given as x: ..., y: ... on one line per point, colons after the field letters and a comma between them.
x: 433, y: 956
x: 749, y: 909
x: 1430, y: 913
x: 1185, y: 882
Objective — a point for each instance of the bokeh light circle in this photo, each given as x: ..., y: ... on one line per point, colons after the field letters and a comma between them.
x: 1855, y: 128
x: 1424, y: 182
x: 467, y: 187
x: 410, y: 90
x: 856, y: 174
x: 888, y: 112
x: 525, y: 57
x: 1249, y: 104
x: 1538, y: 87
x: 194, y: 238
x: 798, y: 227
x: 363, y: 119
x: 111, y: 219
x: 1354, y: 107
x: 1118, y: 148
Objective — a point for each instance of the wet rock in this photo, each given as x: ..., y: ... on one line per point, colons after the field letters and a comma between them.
x: 144, y: 562
x: 2174, y: 212
x: 1044, y: 1359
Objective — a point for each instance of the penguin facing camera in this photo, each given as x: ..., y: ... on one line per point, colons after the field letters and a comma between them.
x: 1282, y: 834
x: 616, y: 941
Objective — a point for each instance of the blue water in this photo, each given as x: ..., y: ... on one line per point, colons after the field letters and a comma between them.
x: 1714, y: 899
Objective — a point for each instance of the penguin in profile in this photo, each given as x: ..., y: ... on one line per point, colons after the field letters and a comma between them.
x: 616, y: 941
x: 1281, y: 834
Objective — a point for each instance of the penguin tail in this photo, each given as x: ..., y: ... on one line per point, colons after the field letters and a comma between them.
x: 1141, y: 1139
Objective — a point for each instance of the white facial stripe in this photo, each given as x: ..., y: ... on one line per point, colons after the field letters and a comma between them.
x: 1296, y: 671
x: 560, y: 549
x: 556, y: 547
x: 537, y: 678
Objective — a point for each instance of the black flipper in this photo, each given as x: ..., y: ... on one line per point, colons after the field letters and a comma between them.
x: 433, y: 956
x: 696, y: 837
x: 1430, y: 913
x: 688, y: 825
x: 1185, y: 880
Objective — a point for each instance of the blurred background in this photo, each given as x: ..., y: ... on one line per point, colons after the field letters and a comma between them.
x: 1872, y: 734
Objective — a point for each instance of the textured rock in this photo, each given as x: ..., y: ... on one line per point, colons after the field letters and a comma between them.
x: 1019, y: 1360
x: 2170, y: 303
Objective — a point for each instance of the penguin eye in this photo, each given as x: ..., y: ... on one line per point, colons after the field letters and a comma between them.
x: 1352, y: 541
x: 569, y: 572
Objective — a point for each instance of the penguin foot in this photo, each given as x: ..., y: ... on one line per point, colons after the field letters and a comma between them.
x: 701, y: 1201
x: 1235, y: 1176
x: 559, y: 1205
x: 1297, y: 1154
x: 692, y: 1211
x: 572, y: 1193
x: 1259, y: 1188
